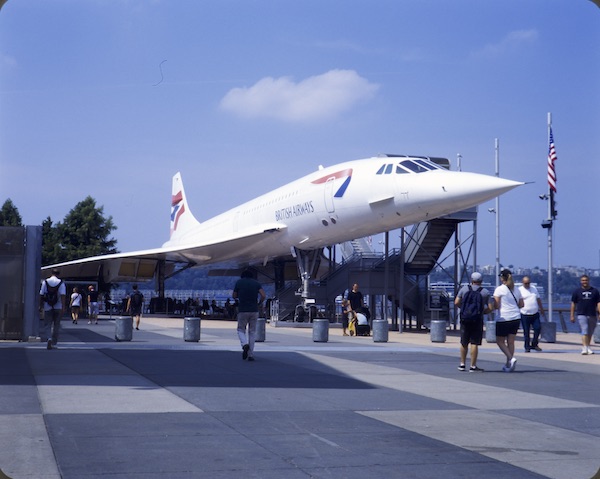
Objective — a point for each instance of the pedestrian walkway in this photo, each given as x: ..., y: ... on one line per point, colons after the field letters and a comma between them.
x: 160, y: 407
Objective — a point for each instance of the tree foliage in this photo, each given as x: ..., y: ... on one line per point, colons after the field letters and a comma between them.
x: 84, y: 232
x: 51, y: 250
x: 9, y: 214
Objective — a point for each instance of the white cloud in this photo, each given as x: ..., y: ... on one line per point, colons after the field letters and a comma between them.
x: 315, y: 98
x: 511, y: 41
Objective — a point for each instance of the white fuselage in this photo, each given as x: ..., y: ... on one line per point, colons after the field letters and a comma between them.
x: 340, y: 203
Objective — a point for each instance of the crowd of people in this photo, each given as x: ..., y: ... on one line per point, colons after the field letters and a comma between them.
x: 516, y: 307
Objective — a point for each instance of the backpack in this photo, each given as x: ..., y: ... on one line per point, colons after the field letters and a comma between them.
x: 136, y: 300
x: 471, y: 306
x: 51, y: 296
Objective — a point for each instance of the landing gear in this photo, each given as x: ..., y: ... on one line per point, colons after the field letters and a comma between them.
x: 307, y: 263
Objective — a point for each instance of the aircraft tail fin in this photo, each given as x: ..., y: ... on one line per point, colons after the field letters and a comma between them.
x: 182, y: 219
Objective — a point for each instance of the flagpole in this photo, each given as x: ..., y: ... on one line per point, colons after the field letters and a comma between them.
x: 550, y: 223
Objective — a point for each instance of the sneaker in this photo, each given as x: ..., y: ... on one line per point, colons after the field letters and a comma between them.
x: 49, y: 344
x: 527, y: 350
x: 245, y: 349
x: 590, y: 351
x: 506, y: 369
x: 461, y: 367
x: 537, y: 348
x: 475, y: 369
x: 513, y: 364
x: 251, y: 358
x: 584, y: 351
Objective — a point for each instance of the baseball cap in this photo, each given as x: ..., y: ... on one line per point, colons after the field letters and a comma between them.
x: 476, y: 277
x: 505, y: 273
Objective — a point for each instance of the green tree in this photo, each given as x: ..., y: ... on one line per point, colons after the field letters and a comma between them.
x: 51, y: 249
x: 9, y: 214
x: 84, y: 232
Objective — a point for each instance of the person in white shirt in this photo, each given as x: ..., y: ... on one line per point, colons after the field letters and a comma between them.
x: 530, y: 314
x: 75, y: 304
x: 508, y: 300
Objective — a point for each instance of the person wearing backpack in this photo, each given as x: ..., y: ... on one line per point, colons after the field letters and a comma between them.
x: 135, y: 305
x: 473, y: 301
x: 52, y: 303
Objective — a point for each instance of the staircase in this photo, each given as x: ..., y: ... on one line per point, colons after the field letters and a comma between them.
x: 425, y: 244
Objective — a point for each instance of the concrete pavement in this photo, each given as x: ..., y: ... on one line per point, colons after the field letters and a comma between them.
x: 349, y: 408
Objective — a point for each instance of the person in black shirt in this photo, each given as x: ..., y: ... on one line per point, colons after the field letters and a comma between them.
x: 356, y: 299
x: 585, y: 303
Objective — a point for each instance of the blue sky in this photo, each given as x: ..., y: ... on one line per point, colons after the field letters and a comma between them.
x: 110, y: 98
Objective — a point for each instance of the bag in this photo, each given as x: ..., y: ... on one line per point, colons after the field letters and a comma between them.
x: 471, y: 306
x: 136, y: 300
x: 51, y: 296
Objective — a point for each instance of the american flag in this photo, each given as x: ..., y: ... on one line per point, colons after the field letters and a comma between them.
x: 551, y: 159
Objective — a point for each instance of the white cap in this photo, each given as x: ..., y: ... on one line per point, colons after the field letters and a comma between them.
x: 476, y: 277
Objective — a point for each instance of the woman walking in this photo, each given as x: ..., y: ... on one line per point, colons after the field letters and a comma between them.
x: 75, y: 305
x: 508, y: 300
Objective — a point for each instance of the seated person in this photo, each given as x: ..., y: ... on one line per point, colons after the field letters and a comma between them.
x: 362, y: 326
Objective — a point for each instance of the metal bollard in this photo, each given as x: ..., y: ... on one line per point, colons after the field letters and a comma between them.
x: 191, y: 329
x: 261, y: 330
x: 123, y: 328
x: 490, y: 331
x: 320, y: 330
x: 438, y: 330
x: 548, y: 332
x: 380, y: 331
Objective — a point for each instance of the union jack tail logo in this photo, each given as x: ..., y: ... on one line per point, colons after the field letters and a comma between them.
x: 177, y: 209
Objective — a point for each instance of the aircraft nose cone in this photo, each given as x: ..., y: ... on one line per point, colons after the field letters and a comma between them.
x: 484, y: 186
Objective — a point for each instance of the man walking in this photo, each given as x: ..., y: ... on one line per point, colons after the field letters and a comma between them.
x: 52, y: 302
x: 585, y: 303
x: 530, y: 314
x: 250, y: 296
x: 135, y: 305
x: 473, y: 301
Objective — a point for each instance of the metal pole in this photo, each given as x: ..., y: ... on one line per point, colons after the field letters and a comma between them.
x: 401, y: 321
x: 497, y: 151
x: 386, y: 274
x: 550, y: 203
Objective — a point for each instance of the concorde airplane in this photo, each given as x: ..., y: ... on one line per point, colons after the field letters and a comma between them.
x: 327, y: 207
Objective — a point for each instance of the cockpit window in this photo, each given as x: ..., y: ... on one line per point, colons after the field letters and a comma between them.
x: 385, y: 169
x: 412, y: 166
x: 428, y: 164
x: 416, y: 165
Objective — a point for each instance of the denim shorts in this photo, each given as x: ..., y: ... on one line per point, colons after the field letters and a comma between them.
x: 587, y: 324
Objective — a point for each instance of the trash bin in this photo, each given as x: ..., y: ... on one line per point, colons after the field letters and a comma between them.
x: 380, y: 331
x: 261, y: 330
x: 548, y: 332
x: 191, y: 329
x: 490, y: 331
x: 123, y: 328
x: 320, y: 330
x: 438, y: 330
